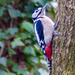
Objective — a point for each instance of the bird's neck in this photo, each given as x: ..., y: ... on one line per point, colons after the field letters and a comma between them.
x: 36, y: 19
x: 39, y: 16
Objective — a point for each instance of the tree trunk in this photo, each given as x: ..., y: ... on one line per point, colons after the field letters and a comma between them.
x: 64, y: 49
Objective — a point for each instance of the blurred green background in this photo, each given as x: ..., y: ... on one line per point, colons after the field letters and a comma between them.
x: 20, y: 53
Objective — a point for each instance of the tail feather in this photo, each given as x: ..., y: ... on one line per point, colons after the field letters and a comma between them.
x: 47, y: 51
x: 49, y: 56
x: 49, y: 63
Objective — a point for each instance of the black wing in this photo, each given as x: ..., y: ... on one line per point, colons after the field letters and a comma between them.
x: 39, y: 34
x: 39, y: 30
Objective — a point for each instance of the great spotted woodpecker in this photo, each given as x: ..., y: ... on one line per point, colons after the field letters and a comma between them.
x: 44, y: 31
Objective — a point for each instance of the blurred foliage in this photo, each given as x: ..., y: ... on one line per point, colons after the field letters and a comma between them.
x: 19, y: 50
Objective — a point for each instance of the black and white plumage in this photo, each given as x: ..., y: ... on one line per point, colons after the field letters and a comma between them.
x: 38, y: 27
x: 44, y: 31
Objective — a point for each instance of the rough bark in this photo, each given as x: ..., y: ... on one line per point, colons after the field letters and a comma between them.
x: 64, y: 50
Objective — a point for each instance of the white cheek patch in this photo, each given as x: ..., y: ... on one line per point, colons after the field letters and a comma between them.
x: 35, y: 14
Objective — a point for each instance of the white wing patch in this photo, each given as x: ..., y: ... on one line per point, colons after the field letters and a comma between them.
x: 37, y: 36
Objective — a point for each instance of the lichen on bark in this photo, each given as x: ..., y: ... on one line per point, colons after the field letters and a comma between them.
x: 64, y: 49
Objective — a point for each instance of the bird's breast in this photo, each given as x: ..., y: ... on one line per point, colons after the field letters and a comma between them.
x: 48, y: 27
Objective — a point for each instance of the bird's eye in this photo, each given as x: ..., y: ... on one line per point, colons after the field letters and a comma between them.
x: 36, y: 10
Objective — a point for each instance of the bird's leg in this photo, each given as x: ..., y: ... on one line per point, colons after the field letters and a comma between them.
x: 55, y: 33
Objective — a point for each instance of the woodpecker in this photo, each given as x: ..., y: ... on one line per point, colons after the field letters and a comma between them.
x: 44, y: 31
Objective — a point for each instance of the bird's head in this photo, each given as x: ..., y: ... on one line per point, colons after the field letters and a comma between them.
x: 39, y: 12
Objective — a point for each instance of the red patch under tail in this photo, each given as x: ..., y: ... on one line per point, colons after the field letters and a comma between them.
x: 49, y: 51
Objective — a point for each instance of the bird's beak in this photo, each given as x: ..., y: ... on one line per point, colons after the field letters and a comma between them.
x: 44, y: 8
